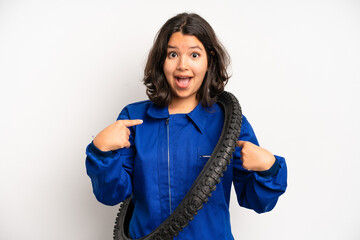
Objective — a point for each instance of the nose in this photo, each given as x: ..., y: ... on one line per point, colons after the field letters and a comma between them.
x: 183, y: 63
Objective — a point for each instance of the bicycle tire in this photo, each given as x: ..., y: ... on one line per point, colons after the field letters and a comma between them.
x: 202, y: 187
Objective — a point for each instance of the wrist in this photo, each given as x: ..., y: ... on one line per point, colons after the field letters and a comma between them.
x: 100, y: 146
x: 271, y: 171
x: 270, y: 163
x: 101, y: 154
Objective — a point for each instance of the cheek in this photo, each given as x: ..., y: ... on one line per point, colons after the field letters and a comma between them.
x: 167, y: 68
x: 201, y: 69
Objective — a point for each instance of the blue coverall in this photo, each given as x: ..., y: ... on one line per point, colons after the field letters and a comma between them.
x: 166, y: 155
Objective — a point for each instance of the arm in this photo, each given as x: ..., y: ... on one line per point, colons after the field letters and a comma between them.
x: 111, y: 171
x: 257, y: 190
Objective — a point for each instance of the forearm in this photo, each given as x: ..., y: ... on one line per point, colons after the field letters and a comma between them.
x: 261, y: 192
x: 111, y: 182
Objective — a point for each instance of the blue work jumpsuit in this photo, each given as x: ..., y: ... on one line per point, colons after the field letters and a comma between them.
x: 166, y: 155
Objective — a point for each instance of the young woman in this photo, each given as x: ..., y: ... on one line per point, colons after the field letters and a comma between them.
x: 156, y: 148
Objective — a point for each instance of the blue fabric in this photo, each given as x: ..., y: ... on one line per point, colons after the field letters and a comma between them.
x: 166, y: 155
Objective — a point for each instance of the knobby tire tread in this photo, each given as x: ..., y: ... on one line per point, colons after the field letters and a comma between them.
x: 202, y: 187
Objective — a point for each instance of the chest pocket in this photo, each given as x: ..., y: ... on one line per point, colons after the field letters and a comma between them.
x: 204, y: 154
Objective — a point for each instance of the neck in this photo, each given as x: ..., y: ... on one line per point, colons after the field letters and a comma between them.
x: 182, y: 106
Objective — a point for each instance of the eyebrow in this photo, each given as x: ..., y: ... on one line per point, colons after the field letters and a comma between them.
x: 193, y: 47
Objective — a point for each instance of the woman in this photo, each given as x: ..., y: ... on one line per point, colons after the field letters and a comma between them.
x: 156, y: 148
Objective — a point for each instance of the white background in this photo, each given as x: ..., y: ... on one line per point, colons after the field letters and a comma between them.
x: 67, y: 68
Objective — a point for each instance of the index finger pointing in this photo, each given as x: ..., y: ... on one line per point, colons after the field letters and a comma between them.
x: 240, y: 143
x: 129, y: 123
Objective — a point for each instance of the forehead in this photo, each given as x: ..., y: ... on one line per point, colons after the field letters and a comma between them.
x: 179, y: 40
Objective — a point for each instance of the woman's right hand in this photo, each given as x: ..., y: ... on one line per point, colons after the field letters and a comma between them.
x: 115, y: 136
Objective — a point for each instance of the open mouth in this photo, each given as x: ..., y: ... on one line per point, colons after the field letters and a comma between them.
x: 183, y: 82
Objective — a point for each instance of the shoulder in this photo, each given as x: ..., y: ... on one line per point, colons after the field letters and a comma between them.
x: 135, y: 110
x: 247, y: 132
x: 245, y: 122
x: 136, y: 106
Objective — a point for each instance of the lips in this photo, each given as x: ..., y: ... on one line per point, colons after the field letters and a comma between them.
x: 183, y: 82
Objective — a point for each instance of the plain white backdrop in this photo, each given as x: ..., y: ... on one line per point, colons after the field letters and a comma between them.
x: 67, y: 68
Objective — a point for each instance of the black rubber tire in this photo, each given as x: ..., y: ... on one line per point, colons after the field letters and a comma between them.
x: 204, y: 184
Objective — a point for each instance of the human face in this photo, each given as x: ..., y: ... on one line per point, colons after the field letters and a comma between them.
x: 185, y: 67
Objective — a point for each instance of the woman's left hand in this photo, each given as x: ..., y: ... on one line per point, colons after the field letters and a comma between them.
x: 255, y: 158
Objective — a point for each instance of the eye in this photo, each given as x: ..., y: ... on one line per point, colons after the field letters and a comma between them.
x: 195, y: 55
x: 172, y: 55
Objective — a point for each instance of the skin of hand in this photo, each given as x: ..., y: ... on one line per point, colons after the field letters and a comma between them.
x: 115, y: 136
x: 255, y: 158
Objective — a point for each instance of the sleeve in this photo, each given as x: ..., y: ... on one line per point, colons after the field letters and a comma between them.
x: 111, y: 172
x: 258, y: 190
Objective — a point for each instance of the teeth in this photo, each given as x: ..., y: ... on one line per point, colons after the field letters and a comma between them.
x: 183, y: 81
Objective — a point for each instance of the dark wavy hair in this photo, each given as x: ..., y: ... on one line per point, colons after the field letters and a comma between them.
x: 158, y: 89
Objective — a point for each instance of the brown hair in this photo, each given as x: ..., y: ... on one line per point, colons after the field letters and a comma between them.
x: 216, y: 77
